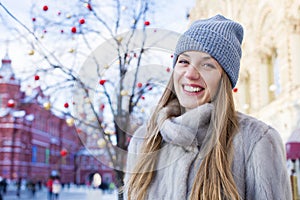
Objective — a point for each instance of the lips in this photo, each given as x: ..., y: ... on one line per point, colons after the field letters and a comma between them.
x: 192, y: 88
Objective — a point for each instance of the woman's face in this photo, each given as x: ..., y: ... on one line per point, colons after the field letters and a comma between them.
x: 196, y: 78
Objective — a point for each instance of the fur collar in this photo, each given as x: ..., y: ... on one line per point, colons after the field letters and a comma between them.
x: 187, y: 129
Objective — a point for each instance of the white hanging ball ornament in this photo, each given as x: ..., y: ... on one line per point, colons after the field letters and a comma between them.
x: 101, y: 143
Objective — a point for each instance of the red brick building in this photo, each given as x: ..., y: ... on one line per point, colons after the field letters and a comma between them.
x: 34, y: 142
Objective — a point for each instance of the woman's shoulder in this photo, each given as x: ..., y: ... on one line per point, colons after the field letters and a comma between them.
x: 258, y: 142
x: 140, y: 134
x: 134, y: 149
x: 253, y: 131
x: 253, y: 126
x: 137, y: 139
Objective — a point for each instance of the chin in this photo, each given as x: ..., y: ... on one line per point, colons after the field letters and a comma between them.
x: 191, y: 104
x: 189, y: 107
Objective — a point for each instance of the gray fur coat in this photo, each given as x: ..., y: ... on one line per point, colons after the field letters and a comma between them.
x: 259, y: 165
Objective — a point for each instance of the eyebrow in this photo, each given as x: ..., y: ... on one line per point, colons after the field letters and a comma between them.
x: 207, y: 57
x: 184, y: 54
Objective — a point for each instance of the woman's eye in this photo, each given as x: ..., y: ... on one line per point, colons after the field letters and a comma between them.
x: 183, y: 61
x: 208, y: 66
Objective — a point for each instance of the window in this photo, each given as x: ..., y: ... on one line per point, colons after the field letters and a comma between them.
x: 34, y: 154
x: 273, y: 78
x: 47, y: 156
x: 247, y: 91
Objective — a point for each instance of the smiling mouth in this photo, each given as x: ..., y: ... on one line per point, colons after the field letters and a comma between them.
x: 192, y: 89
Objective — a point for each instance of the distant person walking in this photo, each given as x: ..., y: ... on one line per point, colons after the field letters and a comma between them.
x: 1, y: 188
x: 3, y: 185
x: 56, y: 188
x: 19, y: 184
x: 31, y: 187
x: 49, y: 185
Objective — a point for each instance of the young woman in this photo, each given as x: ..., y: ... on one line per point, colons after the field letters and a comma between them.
x: 196, y: 146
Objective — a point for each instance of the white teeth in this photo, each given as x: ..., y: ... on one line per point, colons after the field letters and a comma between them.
x: 191, y: 89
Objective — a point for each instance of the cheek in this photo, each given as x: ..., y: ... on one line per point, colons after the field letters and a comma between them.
x: 176, y: 77
x: 213, y: 84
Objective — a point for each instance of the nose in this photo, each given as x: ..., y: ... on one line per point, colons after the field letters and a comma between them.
x: 192, y: 73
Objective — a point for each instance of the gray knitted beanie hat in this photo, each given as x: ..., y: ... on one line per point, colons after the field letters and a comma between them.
x: 219, y: 37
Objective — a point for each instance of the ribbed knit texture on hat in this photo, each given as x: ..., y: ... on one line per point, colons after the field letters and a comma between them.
x: 218, y: 36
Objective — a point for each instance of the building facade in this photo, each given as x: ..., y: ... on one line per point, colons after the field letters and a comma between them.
x: 36, y: 143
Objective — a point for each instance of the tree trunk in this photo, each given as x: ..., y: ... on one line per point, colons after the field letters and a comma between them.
x: 121, y: 128
x: 120, y: 183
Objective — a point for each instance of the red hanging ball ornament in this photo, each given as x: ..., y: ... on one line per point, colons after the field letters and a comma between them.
x: 139, y: 85
x: 146, y: 23
x: 33, y: 19
x: 79, y: 130
x: 73, y: 29
x: 235, y: 90
x: 61, y: 31
x: 11, y: 103
x: 36, y: 77
x: 142, y: 97
x: 58, y: 13
x: 172, y: 56
x: 82, y: 21
x: 66, y: 105
x: 102, y: 81
x: 63, y: 152
x: 89, y: 6
x: 102, y: 106
x: 45, y: 8
x: 168, y: 69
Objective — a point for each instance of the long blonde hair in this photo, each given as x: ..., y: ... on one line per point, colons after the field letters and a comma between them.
x: 214, y: 178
